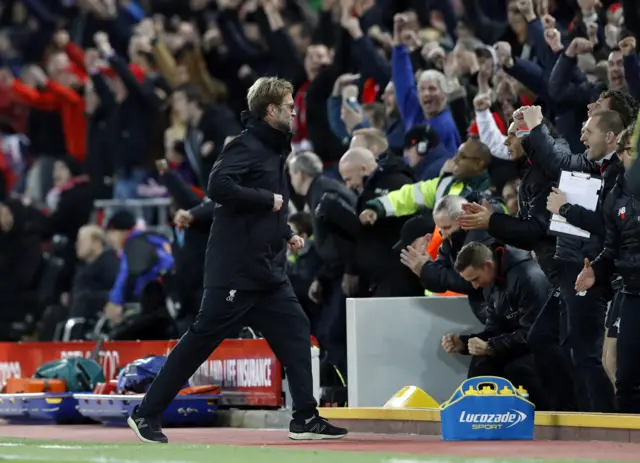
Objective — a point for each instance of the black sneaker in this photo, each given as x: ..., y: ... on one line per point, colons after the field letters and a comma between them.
x: 147, y: 430
x: 315, y: 428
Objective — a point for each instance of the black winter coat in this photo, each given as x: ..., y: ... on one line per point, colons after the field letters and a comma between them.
x: 374, y: 257
x: 621, y: 253
x: 554, y: 160
x: 247, y: 242
x: 329, y: 199
x: 513, y: 301
x: 529, y: 228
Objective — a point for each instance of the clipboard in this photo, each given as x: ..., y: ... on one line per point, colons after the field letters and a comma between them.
x: 581, y: 189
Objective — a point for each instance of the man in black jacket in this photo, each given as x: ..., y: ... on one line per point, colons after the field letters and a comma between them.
x: 328, y: 198
x: 620, y: 255
x: 376, y: 260
x: 585, y: 313
x: 515, y: 289
x: 528, y: 230
x: 245, y: 277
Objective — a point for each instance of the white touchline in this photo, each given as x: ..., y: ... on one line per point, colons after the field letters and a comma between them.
x: 64, y: 458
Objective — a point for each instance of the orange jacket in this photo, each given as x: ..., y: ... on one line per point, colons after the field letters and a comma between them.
x: 432, y: 249
x: 70, y: 105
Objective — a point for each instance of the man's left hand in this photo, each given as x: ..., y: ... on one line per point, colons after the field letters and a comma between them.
x: 556, y: 200
x: 414, y: 259
x: 476, y: 216
x: 295, y: 243
x: 478, y: 347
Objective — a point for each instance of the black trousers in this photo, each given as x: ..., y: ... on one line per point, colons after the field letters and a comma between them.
x: 519, y: 370
x: 628, y: 353
x: 275, y: 313
x: 585, y: 317
x: 552, y: 363
x: 332, y: 325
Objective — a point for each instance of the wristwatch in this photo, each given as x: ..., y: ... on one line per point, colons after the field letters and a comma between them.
x: 490, y: 350
x: 564, y: 210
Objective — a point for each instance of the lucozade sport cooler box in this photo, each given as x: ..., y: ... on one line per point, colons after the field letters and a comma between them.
x: 487, y: 408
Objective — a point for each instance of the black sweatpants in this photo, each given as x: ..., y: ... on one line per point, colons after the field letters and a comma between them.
x: 585, y: 316
x: 628, y: 353
x: 520, y: 371
x: 275, y: 313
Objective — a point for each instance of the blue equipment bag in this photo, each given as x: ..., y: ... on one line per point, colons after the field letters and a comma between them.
x: 487, y: 408
x: 137, y: 376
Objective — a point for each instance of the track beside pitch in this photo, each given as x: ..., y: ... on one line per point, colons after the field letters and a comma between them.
x: 379, y: 443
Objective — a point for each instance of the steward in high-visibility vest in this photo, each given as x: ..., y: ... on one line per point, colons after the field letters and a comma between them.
x: 469, y: 174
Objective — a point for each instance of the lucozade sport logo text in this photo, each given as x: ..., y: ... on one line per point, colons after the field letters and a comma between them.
x: 493, y: 420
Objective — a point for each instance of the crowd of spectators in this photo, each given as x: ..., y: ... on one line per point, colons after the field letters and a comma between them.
x: 428, y: 140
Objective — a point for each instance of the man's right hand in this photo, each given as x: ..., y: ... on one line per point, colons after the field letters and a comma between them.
x: 451, y: 343
x: 183, y: 218
x: 399, y: 24
x: 482, y: 102
x: 277, y: 202
x: 579, y: 46
x: 368, y: 217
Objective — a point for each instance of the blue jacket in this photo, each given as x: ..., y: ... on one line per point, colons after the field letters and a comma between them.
x: 409, y: 104
x: 145, y: 257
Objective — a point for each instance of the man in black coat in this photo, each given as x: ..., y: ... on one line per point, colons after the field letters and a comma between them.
x: 327, y: 198
x: 515, y: 289
x: 528, y: 230
x: 375, y: 258
x: 245, y: 281
x: 585, y: 313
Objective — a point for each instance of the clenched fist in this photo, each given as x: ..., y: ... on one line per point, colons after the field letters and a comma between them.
x: 451, y: 343
x: 553, y: 39
x: 579, y: 46
x: 533, y: 116
x: 628, y: 46
x: 482, y: 102
x: 368, y: 217
x: 503, y: 53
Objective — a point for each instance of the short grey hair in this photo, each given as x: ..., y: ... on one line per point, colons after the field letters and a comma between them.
x: 451, y: 205
x: 308, y: 163
x: 437, y: 76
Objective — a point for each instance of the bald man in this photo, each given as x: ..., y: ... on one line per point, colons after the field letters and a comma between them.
x: 355, y: 165
x: 378, y: 265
